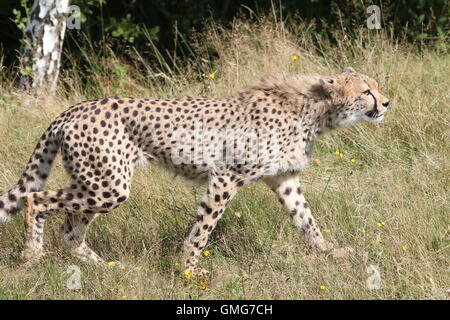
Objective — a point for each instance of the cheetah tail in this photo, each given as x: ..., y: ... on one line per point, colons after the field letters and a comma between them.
x: 34, y: 176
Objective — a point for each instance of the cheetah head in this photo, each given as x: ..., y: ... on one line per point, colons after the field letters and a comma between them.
x: 355, y: 97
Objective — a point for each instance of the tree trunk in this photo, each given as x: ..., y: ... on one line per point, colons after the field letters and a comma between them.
x: 43, y: 41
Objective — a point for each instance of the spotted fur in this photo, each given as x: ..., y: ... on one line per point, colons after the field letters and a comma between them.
x: 102, y: 141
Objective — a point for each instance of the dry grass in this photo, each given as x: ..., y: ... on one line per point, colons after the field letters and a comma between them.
x: 391, y: 205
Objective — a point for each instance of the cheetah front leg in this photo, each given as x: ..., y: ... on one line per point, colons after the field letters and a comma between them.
x: 290, y: 195
x: 220, y: 191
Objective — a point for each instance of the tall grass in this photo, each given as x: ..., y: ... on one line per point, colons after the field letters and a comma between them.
x: 391, y: 205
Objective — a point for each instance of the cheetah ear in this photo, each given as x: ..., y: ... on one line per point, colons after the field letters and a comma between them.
x: 348, y: 70
x: 329, y: 85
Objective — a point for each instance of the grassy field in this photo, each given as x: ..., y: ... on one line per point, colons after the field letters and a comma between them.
x: 391, y: 205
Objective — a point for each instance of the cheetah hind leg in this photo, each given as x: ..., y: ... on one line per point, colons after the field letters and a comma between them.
x: 73, y: 233
x: 34, y: 224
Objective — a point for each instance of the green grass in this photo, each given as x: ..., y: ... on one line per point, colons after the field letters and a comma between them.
x: 400, y: 178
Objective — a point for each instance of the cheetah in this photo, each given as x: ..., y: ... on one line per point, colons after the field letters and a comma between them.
x: 263, y: 132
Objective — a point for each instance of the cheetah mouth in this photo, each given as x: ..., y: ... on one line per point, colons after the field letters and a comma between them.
x: 374, y: 114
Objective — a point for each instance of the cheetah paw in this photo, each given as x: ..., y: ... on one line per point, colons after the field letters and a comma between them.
x: 200, y: 273
x: 197, y: 276
x: 339, y: 253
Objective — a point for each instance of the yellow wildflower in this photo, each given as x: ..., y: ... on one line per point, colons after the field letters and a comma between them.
x: 327, y: 230
x: 353, y: 160
x: 341, y: 154
x: 322, y: 287
x: 380, y: 224
x: 337, y: 152
x: 123, y: 268
x: 212, y: 75
x: 274, y: 245
x: 206, y: 253
x: 294, y: 58
x: 404, y: 248
x: 124, y: 297
x: 187, y: 274
x: 111, y: 263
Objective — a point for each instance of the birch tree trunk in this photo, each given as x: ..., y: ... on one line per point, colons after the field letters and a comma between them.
x: 43, y: 42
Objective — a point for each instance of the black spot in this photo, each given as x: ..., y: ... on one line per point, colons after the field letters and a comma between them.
x: 288, y: 191
x: 107, y: 205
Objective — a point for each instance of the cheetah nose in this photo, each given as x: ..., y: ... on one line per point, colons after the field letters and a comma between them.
x: 385, y: 104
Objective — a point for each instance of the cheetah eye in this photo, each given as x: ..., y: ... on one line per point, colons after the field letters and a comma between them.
x: 367, y: 92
